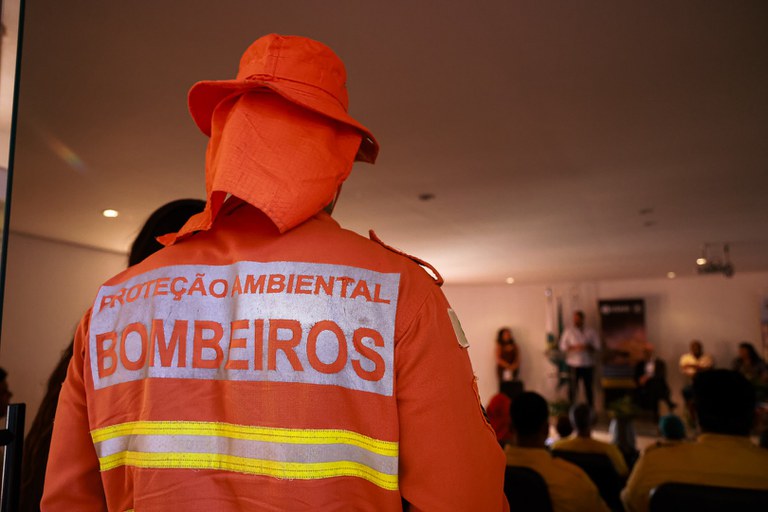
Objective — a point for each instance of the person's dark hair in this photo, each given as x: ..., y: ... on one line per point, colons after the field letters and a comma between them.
x: 501, y: 333
x: 754, y: 357
x: 563, y: 426
x: 671, y: 427
x: 529, y: 412
x: 580, y: 313
x: 511, y: 388
x: 762, y: 441
x: 581, y: 417
x: 168, y: 218
x: 724, y: 402
x: 3, y: 374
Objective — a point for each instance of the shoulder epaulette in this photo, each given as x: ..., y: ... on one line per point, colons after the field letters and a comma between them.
x: 429, y: 268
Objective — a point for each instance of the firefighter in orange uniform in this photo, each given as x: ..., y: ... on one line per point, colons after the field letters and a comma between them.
x: 268, y: 359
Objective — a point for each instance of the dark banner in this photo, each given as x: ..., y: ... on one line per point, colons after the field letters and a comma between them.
x: 622, y: 325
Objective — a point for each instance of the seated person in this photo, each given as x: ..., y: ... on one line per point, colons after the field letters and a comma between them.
x: 498, y: 410
x: 672, y: 429
x: 563, y: 428
x: 651, y: 381
x: 583, y: 418
x: 723, y: 455
x: 751, y: 365
x: 691, y: 363
x: 570, y: 489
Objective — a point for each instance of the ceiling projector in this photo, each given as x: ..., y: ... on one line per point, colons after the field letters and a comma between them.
x: 705, y: 265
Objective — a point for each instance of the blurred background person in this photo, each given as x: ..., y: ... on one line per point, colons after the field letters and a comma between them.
x: 651, y: 381
x: 695, y: 360
x: 570, y: 489
x: 563, y: 426
x: 580, y: 343
x: 691, y: 363
x: 750, y: 364
x: 166, y: 219
x: 723, y: 455
x: 671, y: 429
x: 583, y: 419
x: 507, y: 356
x: 498, y: 410
x: 753, y: 367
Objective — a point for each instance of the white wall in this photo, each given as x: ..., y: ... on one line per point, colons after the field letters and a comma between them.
x: 49, y: 286
x: 721, y: 312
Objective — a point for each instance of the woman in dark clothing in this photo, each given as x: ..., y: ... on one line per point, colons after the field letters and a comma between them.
x: 753, y: 367
x: 507, y: 356
x: 166, y: 219
x: 749, y: 363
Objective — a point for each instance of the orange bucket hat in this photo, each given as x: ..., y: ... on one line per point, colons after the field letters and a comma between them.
x: 304, y: 72
x: 290, y: 93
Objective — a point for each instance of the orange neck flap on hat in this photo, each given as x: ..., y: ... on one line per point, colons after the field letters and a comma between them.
x: 286, y: 161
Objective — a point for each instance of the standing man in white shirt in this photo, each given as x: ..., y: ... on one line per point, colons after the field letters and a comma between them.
x: 580, y: 343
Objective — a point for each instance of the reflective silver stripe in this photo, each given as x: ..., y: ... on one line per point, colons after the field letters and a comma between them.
x: 276, y: 452
x: 286, y: 453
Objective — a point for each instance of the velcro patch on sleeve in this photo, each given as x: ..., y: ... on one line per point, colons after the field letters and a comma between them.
x: 460, y: 336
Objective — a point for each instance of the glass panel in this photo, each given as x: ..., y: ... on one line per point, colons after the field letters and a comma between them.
x: 10, y: 49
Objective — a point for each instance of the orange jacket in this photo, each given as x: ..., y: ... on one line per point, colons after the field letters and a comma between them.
x: 242, y: 369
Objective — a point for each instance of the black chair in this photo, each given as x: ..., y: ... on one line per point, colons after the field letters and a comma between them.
x: 12, y: 437
x: 601, y: 471
x: 526, y: 490
x: 675, y: 497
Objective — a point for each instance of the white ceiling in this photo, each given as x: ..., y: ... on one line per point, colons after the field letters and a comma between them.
x: 543, y: 128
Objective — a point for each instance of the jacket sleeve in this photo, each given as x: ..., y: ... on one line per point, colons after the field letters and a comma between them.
x: 449, y: 456
x: 72, y: 479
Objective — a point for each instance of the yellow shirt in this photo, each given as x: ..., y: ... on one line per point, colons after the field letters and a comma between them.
x: 714, y: 459
x: 570, y: 489
x: 588, y: 445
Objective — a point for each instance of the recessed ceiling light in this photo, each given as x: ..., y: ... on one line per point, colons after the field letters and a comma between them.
x: 671, y: 275
x: 109, y: 213
x: 510, y: 280
x: 701, y: 261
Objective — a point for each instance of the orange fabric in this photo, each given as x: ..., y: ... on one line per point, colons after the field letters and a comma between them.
x: 302, y: 71
x: 448, y: 455
x: 246, y: 157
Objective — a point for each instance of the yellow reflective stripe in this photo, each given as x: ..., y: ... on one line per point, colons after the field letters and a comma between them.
x: 283, y: 470
x: 266, y: 434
